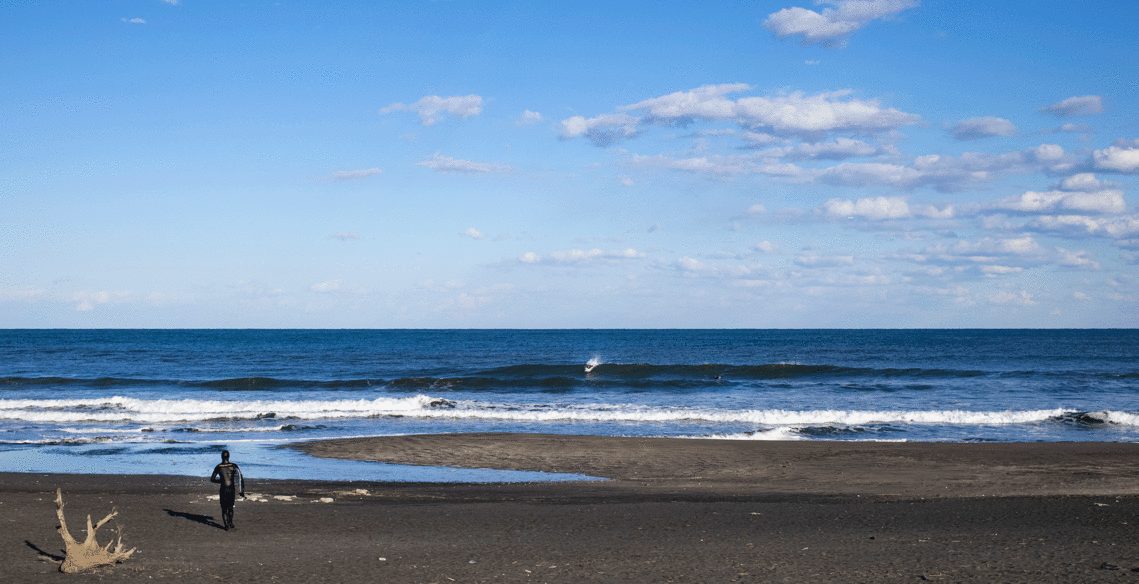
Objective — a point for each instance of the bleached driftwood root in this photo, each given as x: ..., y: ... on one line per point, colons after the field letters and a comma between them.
x: 88, y: 554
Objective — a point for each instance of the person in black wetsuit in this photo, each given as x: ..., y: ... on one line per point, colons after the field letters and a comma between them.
x: 232, y: 483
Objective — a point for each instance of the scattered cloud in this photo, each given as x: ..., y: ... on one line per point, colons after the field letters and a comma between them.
x: 993, y: 257
x: 172, y: 2
x: 883, y: 208
x: 987, y: 127
x: 1118, y: 227
x: 87, y: 301
x: 344, y: 236
x: 796, y: 114
x: 808, y: 117
x: 579, y: 257
x: 440, y: 163
x: 691, y: 267
x: 811, y: 260
x: 601, y: 130
x: 1121, y: 156
x: 473, y: 233
x: 838, y: 149
x: 432, y: 107
x: 529, y: 118
x: 1084, y: 181
x: 1105, y: 201
x: 832, y: 26
x: 133, y: 21
x: 1006, y: 297
x: 25, y: 293
x: 1070, y: 128
x: 328, y: 286
x: 1082, y: 105
x: 354, y: 174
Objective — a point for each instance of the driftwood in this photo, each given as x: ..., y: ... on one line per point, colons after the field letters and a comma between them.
x: 88, y: 554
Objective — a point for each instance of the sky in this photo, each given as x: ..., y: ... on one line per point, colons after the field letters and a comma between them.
x: 498, y: 164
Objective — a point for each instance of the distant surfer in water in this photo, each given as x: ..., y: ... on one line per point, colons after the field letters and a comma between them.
x: 230, y: 478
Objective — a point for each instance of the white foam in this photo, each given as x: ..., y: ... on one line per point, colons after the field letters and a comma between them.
x: 1115, y: 417
x: 780, y: 433
x: 125, y: 409
x: 188, y: 411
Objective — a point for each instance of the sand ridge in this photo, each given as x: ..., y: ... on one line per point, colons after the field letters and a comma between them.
x: 912, y: 469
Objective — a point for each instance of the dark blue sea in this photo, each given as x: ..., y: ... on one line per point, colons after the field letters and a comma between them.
x: 167, y: 401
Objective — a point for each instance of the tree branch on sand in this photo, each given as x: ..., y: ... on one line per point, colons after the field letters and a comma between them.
x: 88, y: 554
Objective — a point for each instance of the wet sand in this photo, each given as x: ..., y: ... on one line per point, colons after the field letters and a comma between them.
x: 674, y: 510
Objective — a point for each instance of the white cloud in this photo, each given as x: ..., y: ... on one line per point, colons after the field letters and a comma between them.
x: 810, y: 260
x: 328, y: 286
x: 986, y: 127
x: 354, y: 174
x: 1122, y: 156
x: 579, y: 257
x: 692, y: 267
x: 440, y: 163
x: 87, y: 301
x: 132, y: 21
x: 432, y: 107
x: 876, y: 208
x: 601, y: 130
x: 882, y: 209
x: 838, y: 149
x: 173, y: 2
x: 831, y: 26
x: 723, y: 165
x: 755, y: 210
x: 943, y: 173
x: 987, y: 251
x: 473, y: 233
x: 1106, y: 201
x: 1075, y: 259
x: 810, y: 117
x: 946, y: 173
x: 1085, y: 181
x: 993, y: 257
x: 344, y: 236
x: 20, y: 293
x: 1004, y: 296
x: 1082, y: 105
x: 1070, y: 128
x: 1123, y: 226
x: 796, y: 114
x: 529, y: 118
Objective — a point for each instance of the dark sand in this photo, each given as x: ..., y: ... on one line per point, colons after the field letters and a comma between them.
x: 677, y: 510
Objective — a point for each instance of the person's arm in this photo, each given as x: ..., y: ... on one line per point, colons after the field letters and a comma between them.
x: 216, y: 477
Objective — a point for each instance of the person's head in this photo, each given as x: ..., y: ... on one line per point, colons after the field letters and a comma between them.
x: 225, y: 456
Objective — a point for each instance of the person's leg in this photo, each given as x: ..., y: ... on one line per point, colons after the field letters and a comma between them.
x: 227, y: 499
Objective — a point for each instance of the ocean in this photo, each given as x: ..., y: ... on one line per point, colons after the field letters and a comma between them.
x: 168, y: 401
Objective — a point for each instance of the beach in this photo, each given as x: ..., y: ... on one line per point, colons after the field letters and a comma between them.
x: 672, y: 510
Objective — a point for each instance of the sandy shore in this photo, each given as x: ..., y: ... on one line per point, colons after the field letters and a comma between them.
x: 675, y: 510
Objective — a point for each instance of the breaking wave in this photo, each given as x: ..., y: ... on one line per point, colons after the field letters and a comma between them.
x: 290, y: 413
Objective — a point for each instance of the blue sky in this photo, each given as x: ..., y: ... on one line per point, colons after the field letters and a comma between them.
x: 870, y: 163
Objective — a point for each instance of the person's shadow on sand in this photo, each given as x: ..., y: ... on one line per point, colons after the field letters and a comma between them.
x: 44, y: 554
x: 203, y: 519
